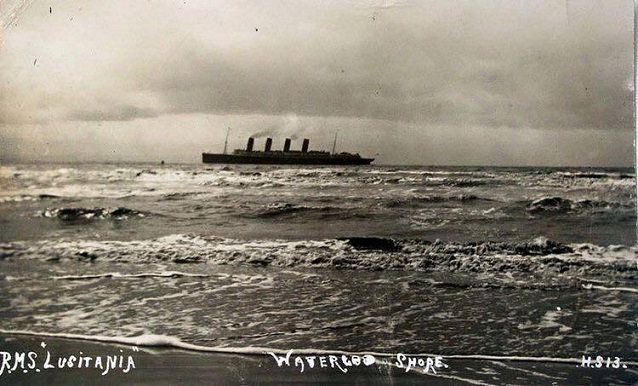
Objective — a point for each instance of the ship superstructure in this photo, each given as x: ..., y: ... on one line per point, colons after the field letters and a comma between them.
x: 286, y: 156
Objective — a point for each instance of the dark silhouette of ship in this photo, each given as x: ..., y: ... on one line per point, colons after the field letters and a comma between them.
x: 285, y: 156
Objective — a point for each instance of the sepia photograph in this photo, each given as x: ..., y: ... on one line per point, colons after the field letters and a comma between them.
x: 338, y: 192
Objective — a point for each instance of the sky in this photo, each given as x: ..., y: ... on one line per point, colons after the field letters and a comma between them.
x: 425, y: 82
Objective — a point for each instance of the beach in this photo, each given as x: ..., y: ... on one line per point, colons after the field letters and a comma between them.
x: 165, y: 366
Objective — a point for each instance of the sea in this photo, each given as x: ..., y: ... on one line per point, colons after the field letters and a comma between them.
x: 526, y: 262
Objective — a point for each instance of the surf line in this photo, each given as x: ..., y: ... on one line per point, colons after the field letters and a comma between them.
x: 118, y: 275
x: 151, y: 340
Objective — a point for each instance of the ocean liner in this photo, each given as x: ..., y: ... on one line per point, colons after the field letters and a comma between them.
x: 285, y: 156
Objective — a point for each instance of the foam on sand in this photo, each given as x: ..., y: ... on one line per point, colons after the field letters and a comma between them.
x: 152, y: 340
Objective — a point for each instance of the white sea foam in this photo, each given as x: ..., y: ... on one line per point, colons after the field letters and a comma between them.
x: 118, y: 275
x: 551, y: 320
x: 153, y: 340
x: 539, y: 255
x: 603, y: 288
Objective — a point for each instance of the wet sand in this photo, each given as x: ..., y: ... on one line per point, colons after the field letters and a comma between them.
x: 166, y: 366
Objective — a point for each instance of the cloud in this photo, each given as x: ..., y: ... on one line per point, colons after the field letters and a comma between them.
x: 395, y: 68
x: 115, y: 113
x: 490, y: 64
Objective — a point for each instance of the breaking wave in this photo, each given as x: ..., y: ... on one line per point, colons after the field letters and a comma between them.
x: 461, y: 182
x: 27, y: 197
x: 597, y: 175
x: 75, y: 214
x: 118, y: 275
x: 564, y: 205
x: 539, y: 256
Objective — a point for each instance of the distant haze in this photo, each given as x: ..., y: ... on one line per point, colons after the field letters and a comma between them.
x: 410, y: 82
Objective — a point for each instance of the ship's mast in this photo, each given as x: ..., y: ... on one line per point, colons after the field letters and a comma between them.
x: 334, y: 144
x: 226, y: 141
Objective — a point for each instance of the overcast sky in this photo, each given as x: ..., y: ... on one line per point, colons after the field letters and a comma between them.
x: 416, y: 82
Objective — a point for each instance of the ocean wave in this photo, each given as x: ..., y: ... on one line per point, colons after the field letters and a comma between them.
x: 74, y: 214
x: 597, y: 175
x: 28, y: 197
x: 461, y: 182
x: 283, y: 209
x: 426, y: 199
x: 29, y: 183
x: 67, y: 174
x: 118, y: 275
x: 539, y: 256
x: 181, y: 195
x: 590, y: 286
x: 507, y: 282
x: 565, y: 205
x: 146, y: 171
x: 372, y: 243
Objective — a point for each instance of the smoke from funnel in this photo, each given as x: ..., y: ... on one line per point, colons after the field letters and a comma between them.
x: 277, y: 133
x: 290, y: 127
x: 263, y: 133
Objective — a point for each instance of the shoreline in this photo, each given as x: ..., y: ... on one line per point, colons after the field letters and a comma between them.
x: 169, y: 365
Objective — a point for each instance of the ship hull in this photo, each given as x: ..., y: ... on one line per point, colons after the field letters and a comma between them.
x: 211, y: 158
